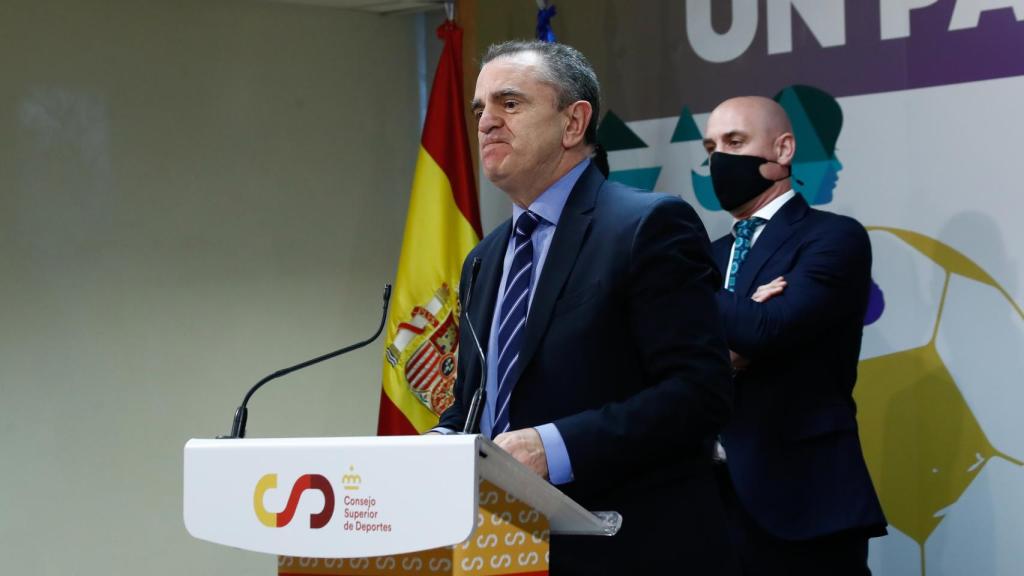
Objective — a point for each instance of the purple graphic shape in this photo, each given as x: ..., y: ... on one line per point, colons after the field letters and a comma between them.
x: 932, y: 55
x: 876, y: 304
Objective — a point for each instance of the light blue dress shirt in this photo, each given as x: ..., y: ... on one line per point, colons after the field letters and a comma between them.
x: 548, y: 206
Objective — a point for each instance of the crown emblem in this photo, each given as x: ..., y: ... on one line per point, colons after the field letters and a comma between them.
x: 351, y: 481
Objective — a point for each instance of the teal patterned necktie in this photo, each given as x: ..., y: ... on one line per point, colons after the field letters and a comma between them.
x: 744, y: 231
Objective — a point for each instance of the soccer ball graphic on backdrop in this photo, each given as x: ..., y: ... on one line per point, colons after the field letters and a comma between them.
x: 939, y: 400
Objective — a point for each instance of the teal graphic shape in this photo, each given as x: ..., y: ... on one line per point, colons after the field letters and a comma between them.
x: 686, y: 129
x: 642, y: 178
x: 705, y: 192
x: 817, y: 120
x: 613, y: 134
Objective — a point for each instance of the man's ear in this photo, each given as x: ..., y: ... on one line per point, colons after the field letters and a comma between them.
x: 785, y: 148
x: 578, y: 114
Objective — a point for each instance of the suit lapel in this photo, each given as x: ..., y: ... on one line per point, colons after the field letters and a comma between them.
x: 565, y: 246
x: 491, y: 266
x: 720, y: 252
x: 775, y: 233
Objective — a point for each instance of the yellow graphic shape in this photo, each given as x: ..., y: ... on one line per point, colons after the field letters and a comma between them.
x: 267, y: 482
x: 922, y: 443
x: 952, y: 260
x: 510, y: 538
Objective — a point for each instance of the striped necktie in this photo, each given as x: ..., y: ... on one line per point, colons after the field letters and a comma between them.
x: 512, y: 322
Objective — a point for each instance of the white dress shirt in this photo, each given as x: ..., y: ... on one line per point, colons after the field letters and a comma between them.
x: 766, y: 212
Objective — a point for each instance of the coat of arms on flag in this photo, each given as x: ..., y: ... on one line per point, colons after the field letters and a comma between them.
x: 424, y: 349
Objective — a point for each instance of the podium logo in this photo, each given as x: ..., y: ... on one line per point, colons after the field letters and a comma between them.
x: 304, y: 483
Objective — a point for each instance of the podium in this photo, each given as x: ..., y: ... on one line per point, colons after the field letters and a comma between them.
x: 412, y: 505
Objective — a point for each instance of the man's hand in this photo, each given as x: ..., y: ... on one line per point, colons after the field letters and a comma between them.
x: 770, y: 290
x: 526, y: 447
x: 738, y: 362
x: 763, y: 294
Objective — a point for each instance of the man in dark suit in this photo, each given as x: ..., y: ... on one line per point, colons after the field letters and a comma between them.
x: 607, y: 372
x: 792, y: 301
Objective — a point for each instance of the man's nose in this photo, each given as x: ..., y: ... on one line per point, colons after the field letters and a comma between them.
x: 487, y: 122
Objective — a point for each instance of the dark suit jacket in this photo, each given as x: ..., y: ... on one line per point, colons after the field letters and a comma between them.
x: 624, y: 352
x: 792, y: 445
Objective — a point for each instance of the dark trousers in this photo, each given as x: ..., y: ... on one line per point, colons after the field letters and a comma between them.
x: 670, y: 527
x: 762, y: 554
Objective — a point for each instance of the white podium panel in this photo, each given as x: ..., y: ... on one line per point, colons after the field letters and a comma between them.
x: 332, y: 497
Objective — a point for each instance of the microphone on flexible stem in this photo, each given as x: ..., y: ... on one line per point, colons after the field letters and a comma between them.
x: 477, y: 403
x: 242, y: 414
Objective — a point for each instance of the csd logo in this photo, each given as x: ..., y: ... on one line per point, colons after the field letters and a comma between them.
x: 283, y: 518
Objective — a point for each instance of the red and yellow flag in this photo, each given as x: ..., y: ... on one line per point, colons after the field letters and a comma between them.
x: 442, y: 226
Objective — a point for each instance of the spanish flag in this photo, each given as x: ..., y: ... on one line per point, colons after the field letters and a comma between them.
x: 442, y: 226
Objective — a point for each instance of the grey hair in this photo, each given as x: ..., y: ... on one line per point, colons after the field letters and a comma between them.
x: 565, y: 69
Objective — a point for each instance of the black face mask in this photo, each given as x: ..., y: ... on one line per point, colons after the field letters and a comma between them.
x: 737, y: 179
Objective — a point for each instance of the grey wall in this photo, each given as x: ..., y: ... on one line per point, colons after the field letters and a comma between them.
x: 193, y: 193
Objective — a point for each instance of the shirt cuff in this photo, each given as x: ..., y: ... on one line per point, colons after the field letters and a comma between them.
x: 559, y: 466
x: 442, y: 430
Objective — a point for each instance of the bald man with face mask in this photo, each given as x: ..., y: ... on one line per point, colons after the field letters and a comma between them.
x: 792, y: 301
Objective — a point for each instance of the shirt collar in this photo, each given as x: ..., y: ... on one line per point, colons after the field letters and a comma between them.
x: 770, y: 209
x: 549, y: 205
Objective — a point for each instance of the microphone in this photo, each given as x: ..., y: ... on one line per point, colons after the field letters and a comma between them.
x: 242, y: 414
x: 477, y: 403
